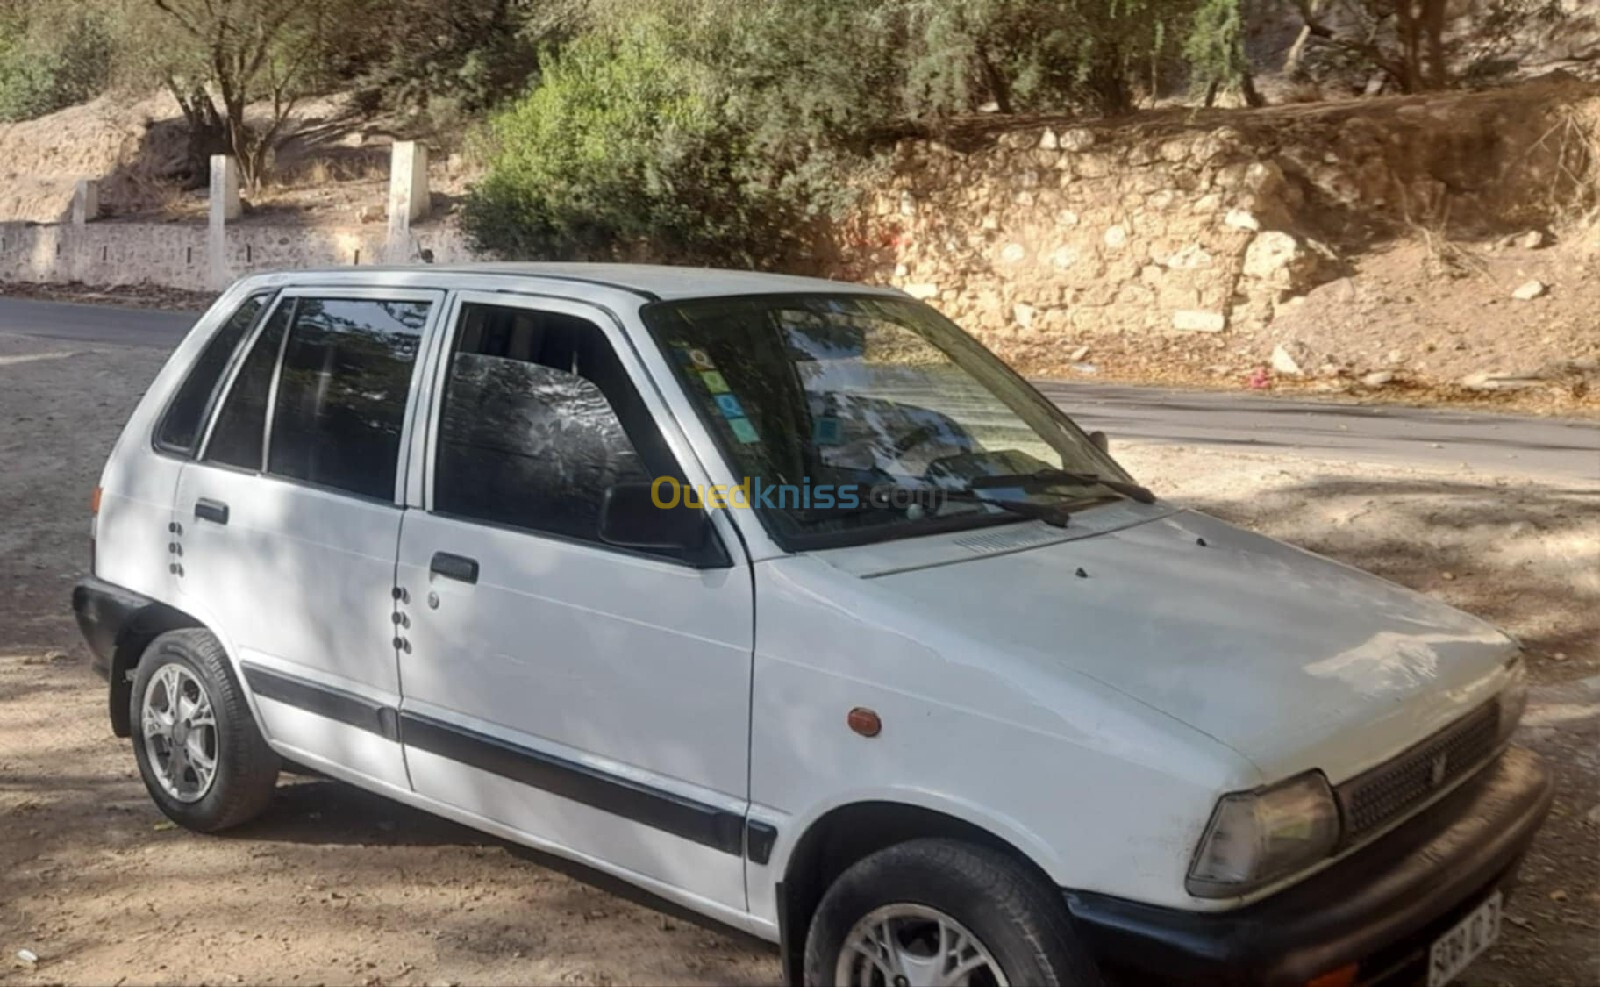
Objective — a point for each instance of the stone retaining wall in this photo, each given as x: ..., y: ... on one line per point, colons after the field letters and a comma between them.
x: 174, y: 254
x: 1195, y: 222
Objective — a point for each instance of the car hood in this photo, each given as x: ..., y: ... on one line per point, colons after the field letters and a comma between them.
x: 1292, y: 660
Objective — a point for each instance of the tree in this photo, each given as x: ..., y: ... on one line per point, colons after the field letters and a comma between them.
x: 1404, y: 39
x: 623, y: 150
x: 50, y: 57
x: 713, y: 130
x: 474, y: 53
x: 216, y: 57
x: 1215, y: 50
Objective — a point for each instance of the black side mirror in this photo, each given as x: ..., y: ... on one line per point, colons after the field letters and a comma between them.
x: 630, y: 518
x: 1099, y: 441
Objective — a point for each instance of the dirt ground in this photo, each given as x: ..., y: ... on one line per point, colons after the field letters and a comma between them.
x: 335, y: 886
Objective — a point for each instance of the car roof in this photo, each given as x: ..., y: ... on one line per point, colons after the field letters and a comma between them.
x: 655, y: 281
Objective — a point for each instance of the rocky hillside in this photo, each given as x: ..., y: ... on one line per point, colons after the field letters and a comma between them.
x: 124, y: 142
x: 1424, y: 247
x: 1442, y: 242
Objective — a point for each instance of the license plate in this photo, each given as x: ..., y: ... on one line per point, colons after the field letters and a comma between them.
x: 1464, y: 942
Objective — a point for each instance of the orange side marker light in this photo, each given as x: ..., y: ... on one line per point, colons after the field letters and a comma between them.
x: 1344, y: 976
x: 864, y: 721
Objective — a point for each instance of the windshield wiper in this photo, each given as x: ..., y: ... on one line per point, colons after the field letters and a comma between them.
x: 1050, y: 514
x: 1049, y: 477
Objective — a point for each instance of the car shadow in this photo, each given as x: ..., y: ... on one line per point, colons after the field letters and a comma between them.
x: 314, y: 810
x: 318, y: 811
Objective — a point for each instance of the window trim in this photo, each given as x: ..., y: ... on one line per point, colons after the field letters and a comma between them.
x: 615, y: 334
x: 224, y: 379
x: 437, y: 300
x: 204, y: 447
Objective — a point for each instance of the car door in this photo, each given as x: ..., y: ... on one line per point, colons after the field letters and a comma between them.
x: 134, y: 525
x: 288, y: 519
x: 593, y: 698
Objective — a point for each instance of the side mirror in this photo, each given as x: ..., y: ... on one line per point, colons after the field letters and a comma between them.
x: 1099, y: 441
x: 630, y: 518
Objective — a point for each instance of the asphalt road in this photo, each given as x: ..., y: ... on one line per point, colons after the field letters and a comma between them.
x: 1509, y: 444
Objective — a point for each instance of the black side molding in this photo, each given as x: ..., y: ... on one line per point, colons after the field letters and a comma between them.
x: 698, y: 822
x: 335, y: 704
x: 707, y: 825
x: 759, y: 838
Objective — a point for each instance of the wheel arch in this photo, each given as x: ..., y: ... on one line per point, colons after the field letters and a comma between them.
x: 147, y: 624
x: 848, y: 833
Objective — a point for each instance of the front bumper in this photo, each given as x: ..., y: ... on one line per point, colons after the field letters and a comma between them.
x: 1379, y: 907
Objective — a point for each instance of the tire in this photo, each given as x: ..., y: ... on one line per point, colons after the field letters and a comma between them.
x: 244, y: 770
x: 1014, y: 915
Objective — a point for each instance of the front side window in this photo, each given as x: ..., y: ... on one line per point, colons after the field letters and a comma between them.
x: 822, y: 402
x: 342, y: 391
x: 180, y: 426
x: 532, y: 428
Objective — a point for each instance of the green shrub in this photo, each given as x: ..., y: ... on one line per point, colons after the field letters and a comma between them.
x: 712, y: 130
x: 50, y: 66
x: 624, y: 150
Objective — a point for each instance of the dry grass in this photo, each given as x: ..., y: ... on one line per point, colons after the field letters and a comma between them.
x: 319, y: 169
x: 1572, y: 189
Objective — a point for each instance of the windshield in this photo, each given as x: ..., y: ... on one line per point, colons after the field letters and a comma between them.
x: 855, y: 418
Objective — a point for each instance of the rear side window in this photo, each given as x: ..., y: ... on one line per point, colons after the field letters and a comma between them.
x: 342, y: 393
x: 180, y: 427
x: 236, y: 439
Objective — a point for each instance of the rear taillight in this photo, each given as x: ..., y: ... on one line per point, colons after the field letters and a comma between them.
x: 94, y: 503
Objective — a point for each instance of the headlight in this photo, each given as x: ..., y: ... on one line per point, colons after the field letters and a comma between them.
x: 1513, y: 700
x: 1257, y: 837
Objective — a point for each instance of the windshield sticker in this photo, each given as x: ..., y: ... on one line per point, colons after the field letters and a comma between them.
x: 701, y: 359
x: 729, y: 406
x: 743, y: 430
x: 714, y: 382
x: 825, y: 431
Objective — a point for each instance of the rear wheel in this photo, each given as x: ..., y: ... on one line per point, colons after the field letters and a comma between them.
x: 202, y: 758
x: 943, y: 912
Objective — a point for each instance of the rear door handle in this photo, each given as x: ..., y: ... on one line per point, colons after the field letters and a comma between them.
x: 457, y: 567
x: 215, y: 511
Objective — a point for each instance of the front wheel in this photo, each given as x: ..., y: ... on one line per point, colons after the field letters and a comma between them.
x: 942, y: 912
x: 202, y: 758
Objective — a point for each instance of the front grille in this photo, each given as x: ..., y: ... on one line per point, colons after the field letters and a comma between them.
x: 1391, y: 790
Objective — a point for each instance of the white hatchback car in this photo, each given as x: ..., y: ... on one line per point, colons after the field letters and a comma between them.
x: 787, y: 601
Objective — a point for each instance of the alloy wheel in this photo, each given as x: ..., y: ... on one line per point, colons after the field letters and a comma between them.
x: 905, y: 945
x: 180, y: 733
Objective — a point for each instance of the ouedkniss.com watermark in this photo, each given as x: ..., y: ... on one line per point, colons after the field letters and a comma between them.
x: 668, y: 493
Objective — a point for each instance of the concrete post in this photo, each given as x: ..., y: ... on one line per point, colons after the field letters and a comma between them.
x: 408, y: 195
x: 85, y: 202
x: 225, y: 206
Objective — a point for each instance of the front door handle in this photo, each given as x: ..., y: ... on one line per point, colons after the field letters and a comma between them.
x: 215, y: 511
x: 457, y: 567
